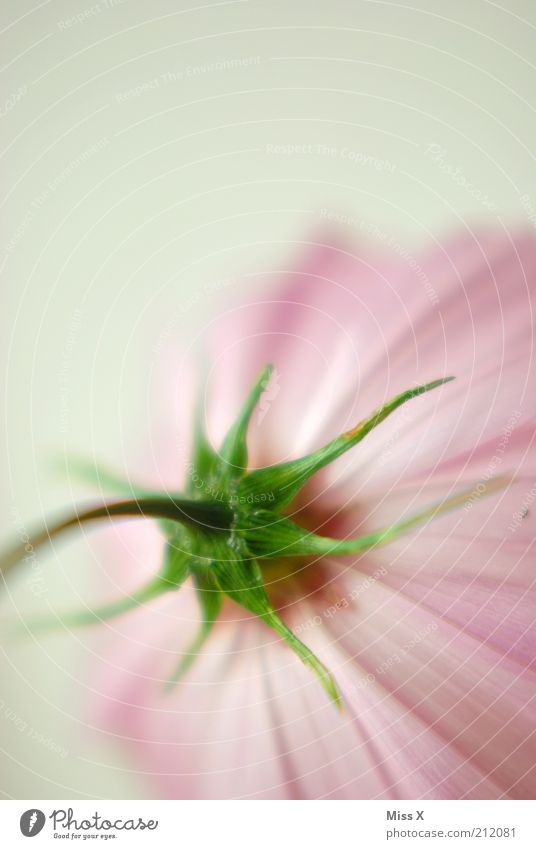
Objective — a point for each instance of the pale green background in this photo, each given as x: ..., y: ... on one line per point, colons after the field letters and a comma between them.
x: 123, y: 208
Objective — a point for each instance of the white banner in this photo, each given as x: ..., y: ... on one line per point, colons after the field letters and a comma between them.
x: 265, y: 824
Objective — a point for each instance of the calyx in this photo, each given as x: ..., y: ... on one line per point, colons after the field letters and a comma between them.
x: 221, y: 534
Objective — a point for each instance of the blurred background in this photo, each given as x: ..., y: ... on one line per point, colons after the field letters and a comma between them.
x: 159, y: 159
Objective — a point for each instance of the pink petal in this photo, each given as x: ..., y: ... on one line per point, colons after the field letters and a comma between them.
x: 453, y: 716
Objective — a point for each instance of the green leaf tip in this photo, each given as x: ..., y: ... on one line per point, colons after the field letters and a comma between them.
x: 234, y: 449
x: 283, y: 482
x: 267, y: 538
x: 242, y: 581
x: 210, y: 599
x: 175, y: 571
x: 307, y: 657
x: 204, y: 458
x: 101, y: 477
x: 92, y: 616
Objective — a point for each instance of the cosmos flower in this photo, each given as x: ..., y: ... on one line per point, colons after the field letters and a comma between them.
x: 356, y: 530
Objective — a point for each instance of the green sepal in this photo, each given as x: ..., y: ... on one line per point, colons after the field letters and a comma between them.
x: 204, y: 458
x: 234, y: 451
x: 241, y: 579
x: 269, y: 536
x: 210, y: 599
x: 176, y: 566
x: 101, y: 477
x: 174, y: 572
x: 283, y: 482
x: 95, y: 616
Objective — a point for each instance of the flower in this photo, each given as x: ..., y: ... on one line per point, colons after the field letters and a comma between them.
x: 428, y: 640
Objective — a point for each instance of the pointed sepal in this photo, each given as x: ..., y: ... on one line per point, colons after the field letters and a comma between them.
x: 282, y: 483
x: 234, y: 452
x: 210, y: 599
x: 175, y: 570
x: 103, y: 478
x: 268, y: 536
x: 204, y: 459
x: 241, y: 579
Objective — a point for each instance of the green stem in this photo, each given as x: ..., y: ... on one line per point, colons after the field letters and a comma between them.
x: 200, y: 514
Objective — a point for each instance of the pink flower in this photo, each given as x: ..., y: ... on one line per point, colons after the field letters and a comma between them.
x: 430, y: 638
